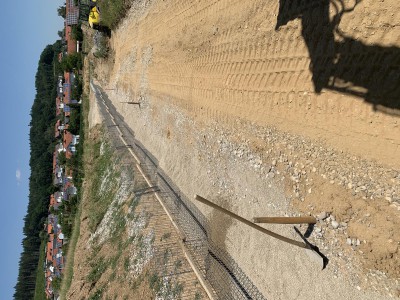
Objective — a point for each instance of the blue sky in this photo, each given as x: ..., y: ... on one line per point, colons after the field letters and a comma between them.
x: 26, y: 27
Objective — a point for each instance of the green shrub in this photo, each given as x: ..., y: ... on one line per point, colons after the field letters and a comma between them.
x: 71, y: 62
x: 76, y: 33
x: 113, y: 11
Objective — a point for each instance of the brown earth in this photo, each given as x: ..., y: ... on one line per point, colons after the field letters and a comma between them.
x: 275, y: 111
x: 136, y: 253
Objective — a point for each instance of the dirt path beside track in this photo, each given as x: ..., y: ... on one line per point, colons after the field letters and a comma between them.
x: 240, y: 111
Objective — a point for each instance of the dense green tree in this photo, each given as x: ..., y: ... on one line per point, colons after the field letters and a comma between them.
x: 40, y: 137
x: 71, y: 62
x: 56, y: 284
x: 61, y: 33
x: 62, y: 11
x: 76, y: 33
x: 74, y: 121
x: 62, y: 159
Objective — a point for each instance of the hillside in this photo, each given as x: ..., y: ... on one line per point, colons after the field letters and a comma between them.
x: 274, y: 109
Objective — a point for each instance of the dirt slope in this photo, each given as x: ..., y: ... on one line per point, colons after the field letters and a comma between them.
x: 273, y: 109
x: 127, y: 246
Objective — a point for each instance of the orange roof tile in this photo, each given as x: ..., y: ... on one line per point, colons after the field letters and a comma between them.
x: 49, y: 228
x: 71, y: 43
x: 54, y: 161
x: 66, y: 142
x: 56, y: 130
x: 49, y: 251
x: 55, y: 251
x: 58, y: 102
x: 67, y: 78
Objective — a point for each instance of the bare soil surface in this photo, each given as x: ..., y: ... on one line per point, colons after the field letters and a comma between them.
x: 274, y: 110
x: 132, y: 251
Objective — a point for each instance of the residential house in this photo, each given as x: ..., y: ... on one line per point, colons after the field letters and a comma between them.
x: 68, y: 83
x: 59, y: 105
x: 58, y: 128
x: 67, y: 93
x: 71, y: 18
x: 67, y: 113
x: 69, y: 142
x: 71, y: 13
x: 68, y: 173
x: 49, y: 290
x: 59, y: 196
x: 49, y: 228
x: 60, y: 86
x: 71, y: 43
x: 58, y: 176
x: 57, y: 150
x: 68, y: 189
x: 55, y: 204
x: 55, y: 161
x: 49, y: 252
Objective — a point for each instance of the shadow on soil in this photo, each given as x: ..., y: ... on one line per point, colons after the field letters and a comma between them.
x: 348, y: 66
x: 313, y: 247
x: 220, y: 223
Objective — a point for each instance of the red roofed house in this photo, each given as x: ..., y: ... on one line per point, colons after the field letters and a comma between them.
x: 55, y: 160
x: 54, y: 203
x: 71, y: 43
x: 71, y: 18
x: 59, y: 127
x: 59, y: 106
x: 57, y: 150
x: 68, y: 172
x: 69, y: 78
x: 67, y: 88
x: 49, y: 227
x: 49, y: 290
x: 57, y: 132
x: 49, y: 252
x: 69, y: 142
x: 69, y: 190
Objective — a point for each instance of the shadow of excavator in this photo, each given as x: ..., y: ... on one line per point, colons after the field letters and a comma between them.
x: 345, y: 65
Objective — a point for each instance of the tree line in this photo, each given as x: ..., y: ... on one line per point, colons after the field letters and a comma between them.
x: 42, y: 142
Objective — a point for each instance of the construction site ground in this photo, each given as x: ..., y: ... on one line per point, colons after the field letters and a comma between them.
x: 229, y: 106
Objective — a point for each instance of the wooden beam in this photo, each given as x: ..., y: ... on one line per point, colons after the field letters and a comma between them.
x: 247, y: 222
x: 137, y: 103
x: 285, y: 220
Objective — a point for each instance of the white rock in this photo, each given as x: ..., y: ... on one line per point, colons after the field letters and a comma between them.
x: 322, y: 216
x: 335, y: 225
